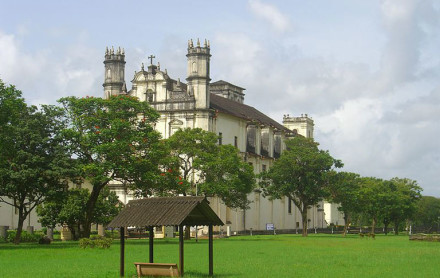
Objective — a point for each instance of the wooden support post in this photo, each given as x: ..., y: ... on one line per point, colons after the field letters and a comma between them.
x: 122, y: 237
x: 211, y: 257
x: 181, y: 250
x: 151, y: 237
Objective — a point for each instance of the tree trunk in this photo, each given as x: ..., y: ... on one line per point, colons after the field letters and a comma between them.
x: 21, y: 219
x: 304, y: 221
x: 396, y: 227
x: 90, y: 207
x: 187, y: 235
x: 373, y: 226
x: 386, y: 227
x: 347, y: 223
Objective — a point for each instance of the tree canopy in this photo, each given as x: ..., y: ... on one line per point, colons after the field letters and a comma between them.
x: 211, y: 169
x: 300, y: 174
x: 112, y: 140
x: 343, y: 189
x: 68, y: 209
x: 33, y: 160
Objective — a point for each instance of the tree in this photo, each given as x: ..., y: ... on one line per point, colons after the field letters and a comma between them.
x: 112, y: 140
x: 228, y: 177
x: 344, y: 190
x: 71, y: 211
x: 403, y: 196
x: 211, y: 169
x: 374, y: 199
x: 33, y: 160
x: 301, y: 174
x: 427, y: 214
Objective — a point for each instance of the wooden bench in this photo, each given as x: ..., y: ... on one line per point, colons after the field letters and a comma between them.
x: 157, y: 269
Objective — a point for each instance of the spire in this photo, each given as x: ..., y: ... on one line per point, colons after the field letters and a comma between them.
x: 198, y: 42
x: 113, y: 51
x: 205, y: 44
x: 208, y: 44
x: 106, y: 50
x: 142, y: 67
x: 123, y: 51
x: 192, y: 45
x: 158, y: 66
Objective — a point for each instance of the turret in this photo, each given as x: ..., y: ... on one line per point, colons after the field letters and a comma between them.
x: 303, y: 125
x: 198, y: 73
x: 114, y: 72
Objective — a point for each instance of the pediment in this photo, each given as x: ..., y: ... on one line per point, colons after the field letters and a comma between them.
x: 176, y: 122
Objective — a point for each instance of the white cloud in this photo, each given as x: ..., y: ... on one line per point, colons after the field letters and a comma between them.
x: 270, y: 14
x: 44, y: 77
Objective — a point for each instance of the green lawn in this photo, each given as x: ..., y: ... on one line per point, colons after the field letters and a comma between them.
x: 257, y: 256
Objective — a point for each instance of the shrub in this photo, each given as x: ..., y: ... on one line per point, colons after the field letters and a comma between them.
x: 25, y: 236
x: 44, y: 240
x: 98, y: 241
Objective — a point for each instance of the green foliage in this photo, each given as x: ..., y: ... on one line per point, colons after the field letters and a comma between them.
x: 343, y: 189
x: 228, y: 177
x: 427, y: 214
x: 99, y: 242
x: 301, y: 174
x: 70, y: 210
x: 112, y: 139
x: 388, y: 200
x: 25, y: 236
x: 33, y: 161
x: 210, y: 169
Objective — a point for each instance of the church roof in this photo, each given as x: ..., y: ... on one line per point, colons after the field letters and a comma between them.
x: 243, y: 111
x: 222, y: 82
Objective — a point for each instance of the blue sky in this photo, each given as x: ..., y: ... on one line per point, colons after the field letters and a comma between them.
x: 368, y: 72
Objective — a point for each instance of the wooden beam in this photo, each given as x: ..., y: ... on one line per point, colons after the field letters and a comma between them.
x: 151, y: 238
x: 181, y: 250
x: 122, y: 262
x: 211, y: 257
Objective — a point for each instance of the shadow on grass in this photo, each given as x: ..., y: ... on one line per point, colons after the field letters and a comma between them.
x: 203, y: 274
x: 161, y: 242
x: 35, y: 245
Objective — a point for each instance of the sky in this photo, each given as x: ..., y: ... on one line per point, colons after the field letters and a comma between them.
x: 366, y: 71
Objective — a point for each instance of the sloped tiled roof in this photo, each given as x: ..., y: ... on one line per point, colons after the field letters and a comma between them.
x: 222, y: 82
x: 243, y: 111
x: 166, y: 211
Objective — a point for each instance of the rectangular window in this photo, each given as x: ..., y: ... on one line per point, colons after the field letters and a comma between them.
x: 236, y: 141
x: 220, y: 138
x: 263, y: 168
x: 289, y: 206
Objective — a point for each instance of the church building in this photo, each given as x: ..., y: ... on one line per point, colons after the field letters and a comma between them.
x: 217, y: 107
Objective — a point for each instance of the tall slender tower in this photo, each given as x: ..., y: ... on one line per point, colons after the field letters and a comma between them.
x: 198, y: 73
x: 114, y: 72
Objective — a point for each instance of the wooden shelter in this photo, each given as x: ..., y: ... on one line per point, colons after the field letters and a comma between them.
x: 167, y: 211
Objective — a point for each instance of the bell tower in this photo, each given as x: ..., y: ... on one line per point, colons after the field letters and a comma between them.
x: 303, y: 125
x: 114, y: 72
x: 198, y: 73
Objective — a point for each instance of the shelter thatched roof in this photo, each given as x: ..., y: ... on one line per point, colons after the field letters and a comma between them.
x: 166, y: 211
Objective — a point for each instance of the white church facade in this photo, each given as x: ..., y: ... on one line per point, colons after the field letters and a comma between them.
x: 217, y: 107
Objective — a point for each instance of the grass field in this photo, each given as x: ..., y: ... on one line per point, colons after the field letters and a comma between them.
x: 257, y: 256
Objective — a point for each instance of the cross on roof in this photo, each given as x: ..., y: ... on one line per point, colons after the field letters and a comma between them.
x: 151, y: 57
